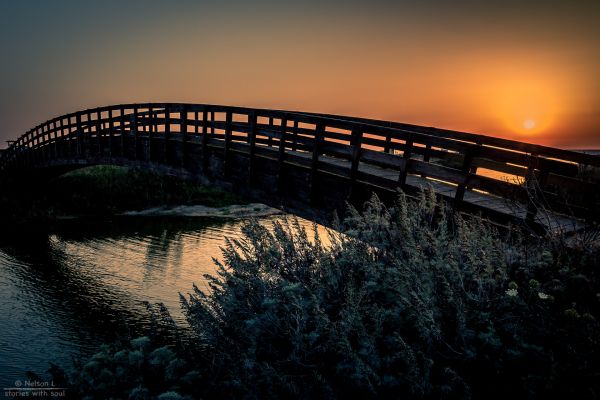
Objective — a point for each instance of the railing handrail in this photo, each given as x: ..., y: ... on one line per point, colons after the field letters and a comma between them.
x: 507, y: 144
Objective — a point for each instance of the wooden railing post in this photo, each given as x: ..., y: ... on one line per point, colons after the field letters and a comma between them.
x: 41, y: 140
x: 60, y: 134
x: 427, y: 155
x: 61, y: 144
x: 135, y: 132
x: 183, y: 115
x: 314, y: 165
x: 32, y: 145
x: 226, y: 160
x: 123, y: 123
x: 281, y: 155
x: 151, y: 134
x: 55, y: 139
x: 356, y: 143
x: 41, y: 149
x: 88, y: 136
x: 406, y: 155
x: 295, y: 140
x: 388, y: 142
x: 252, y: 142
x: 467, y: 170
x: 69, y: 137
x: 25, y: 152
x: 111, y: 133
x: 270, y: 138
x: 79, y: 133
x: 34, y: 139
x: 167, y: 135
x: 45, y: 142
x: 28, y: 149
x: 204, y: 156
x: 99, y: 132
x: 50, y: 151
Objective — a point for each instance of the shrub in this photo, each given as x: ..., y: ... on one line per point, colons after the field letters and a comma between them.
x: 401, y: 301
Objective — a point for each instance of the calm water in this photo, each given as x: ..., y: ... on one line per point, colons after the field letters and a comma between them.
x: 64, y: 292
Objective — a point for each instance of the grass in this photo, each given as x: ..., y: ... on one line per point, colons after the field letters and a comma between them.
x: 100, y: 190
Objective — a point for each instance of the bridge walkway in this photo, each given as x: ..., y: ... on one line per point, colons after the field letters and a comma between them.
x: 387, y: 179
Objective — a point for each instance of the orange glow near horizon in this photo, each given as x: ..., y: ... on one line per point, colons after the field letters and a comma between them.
x: 433, y: 65
x: 526, y: 108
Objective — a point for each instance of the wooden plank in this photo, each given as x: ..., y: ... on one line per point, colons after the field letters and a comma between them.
x: 437, y: 171
x: 338, y: 136
x: 336, y: 149
x: 382, y: 159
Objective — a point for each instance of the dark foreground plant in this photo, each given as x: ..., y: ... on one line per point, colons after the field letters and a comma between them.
x: 408, y: 301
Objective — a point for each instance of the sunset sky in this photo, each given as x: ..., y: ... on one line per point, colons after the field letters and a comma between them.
x: 523, y: 70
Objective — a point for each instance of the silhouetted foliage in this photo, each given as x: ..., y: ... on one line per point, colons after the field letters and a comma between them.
x: 108, y: 189
x: 401, y: 301
x: 103, y: 190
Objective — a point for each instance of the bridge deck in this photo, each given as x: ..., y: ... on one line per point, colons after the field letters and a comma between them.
x: 552, y: 222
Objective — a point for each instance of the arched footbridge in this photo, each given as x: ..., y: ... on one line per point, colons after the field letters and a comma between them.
x: 321, y: 161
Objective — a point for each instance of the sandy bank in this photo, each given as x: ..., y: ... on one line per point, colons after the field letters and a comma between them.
x: 233, y: 211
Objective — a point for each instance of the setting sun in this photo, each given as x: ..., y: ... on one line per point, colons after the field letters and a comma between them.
x: 529, y: 124
x: 526, y: 103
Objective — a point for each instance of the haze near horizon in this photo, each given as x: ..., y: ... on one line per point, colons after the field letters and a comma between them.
x: 521, y: 71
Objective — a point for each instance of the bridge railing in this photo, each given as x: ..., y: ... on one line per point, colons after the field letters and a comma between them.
x: 536, y: 176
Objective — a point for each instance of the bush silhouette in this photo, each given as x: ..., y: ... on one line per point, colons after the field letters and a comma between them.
x: 401, y: 301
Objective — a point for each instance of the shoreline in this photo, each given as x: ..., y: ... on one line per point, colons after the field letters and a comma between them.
x: 251, y: 210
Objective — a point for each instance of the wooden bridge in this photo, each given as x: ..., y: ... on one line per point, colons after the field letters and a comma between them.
x: 318, y: 160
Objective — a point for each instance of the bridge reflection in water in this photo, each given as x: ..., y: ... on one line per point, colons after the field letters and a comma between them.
x: 317, y: 162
